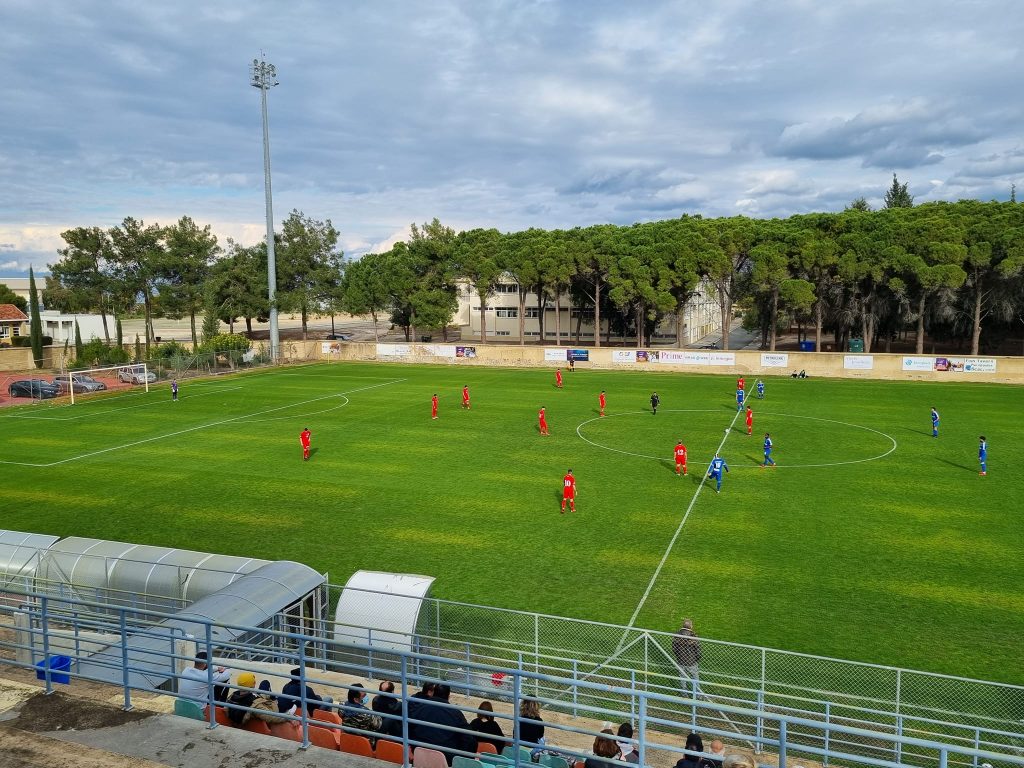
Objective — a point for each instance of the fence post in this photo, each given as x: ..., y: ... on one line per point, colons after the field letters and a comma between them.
x: 977, y: 746
x: 782, y: 744
x: 632, y: 699
x: 369, y: 642
x: 517, y: 692
x: 642, y: 730
x: 124, y: 662
x: 576, y: 688
x: 304, y: 722
x: 943, y: 757
x: 760, y: 699
x: 898, y: 745
x: 536, y: 650
x: 405, y: 709
x: 828, y: 732
x: 44, y: 625
x: 211, y: 703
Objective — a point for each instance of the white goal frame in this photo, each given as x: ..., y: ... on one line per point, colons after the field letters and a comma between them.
x: 65, y: 379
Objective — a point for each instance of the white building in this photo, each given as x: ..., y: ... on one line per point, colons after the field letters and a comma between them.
x: 61, y: 327
x: 699, y: 317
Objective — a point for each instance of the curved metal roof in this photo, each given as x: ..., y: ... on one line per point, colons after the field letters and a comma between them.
x: 19, y: 553
x: 381, y: 609
x: 142, y: 571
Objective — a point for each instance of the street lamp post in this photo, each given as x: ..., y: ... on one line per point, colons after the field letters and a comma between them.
x: 264, y: 77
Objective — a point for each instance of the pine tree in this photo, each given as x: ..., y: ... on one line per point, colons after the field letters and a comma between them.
x: 36, y: 325
x: 897, y: 196
x: 118, y: 335
x: 211, y: 324
x: 859, y: 204
x: 78, y: 342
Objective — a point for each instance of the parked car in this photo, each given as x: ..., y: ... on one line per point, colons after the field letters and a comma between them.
x: 80, y: 382
x: 135, y: 374
x: 33, y: 388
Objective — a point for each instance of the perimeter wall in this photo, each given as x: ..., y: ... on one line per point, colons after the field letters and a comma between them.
x: 747, y: 362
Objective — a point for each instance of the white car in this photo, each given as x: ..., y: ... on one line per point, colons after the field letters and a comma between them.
x: 135, y: 374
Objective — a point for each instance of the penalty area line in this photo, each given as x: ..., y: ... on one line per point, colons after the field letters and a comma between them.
x: 192, y: 429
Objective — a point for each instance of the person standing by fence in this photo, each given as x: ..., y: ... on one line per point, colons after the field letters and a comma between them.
x: 686, y: 650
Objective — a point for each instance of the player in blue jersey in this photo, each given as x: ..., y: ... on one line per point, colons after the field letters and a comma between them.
x: 768, y: 460
x: 739, y: 399
x: 983, y: 455
x: 715, y: 471
x: 935, y: 423
x: 760, y: 390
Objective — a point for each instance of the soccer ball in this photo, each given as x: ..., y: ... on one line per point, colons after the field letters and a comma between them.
x: 727, y: 430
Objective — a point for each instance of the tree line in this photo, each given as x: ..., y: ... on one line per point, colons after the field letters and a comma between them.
x: 954, y: 271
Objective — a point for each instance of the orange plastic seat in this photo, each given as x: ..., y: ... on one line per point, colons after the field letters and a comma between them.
x: 323, y: 737
x: 289, y: 730
x: 485, y: 747
x: 256, y: 725
x: 327, y: 716
x: 358, y: 745
x: 391, y: 752
x: 220, y: 714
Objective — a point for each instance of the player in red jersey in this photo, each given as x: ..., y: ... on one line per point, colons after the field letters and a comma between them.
x: 558, y: 378
x: 543, y: 421
x: 750, y: 421
x: 740, y: 383
x: 465, y: 397
x: 569, y: 491
x: 304, y: 441
x: 601, y: 401
x: 680, y: 454
x: 433, y: 406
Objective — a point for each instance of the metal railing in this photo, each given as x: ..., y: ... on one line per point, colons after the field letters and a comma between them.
x: 660, y: 717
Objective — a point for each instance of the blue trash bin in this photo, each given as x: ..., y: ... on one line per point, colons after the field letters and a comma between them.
x: 59, y: 668
x: 806, y: 346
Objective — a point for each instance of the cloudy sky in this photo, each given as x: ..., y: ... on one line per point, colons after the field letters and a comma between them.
x: 500, y: 113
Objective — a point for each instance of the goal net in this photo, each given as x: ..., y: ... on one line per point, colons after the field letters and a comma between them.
x: 90, y: 381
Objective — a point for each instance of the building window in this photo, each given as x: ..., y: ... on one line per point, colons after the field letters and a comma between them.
x: 502, y: 333
x: 507, y: 312
x: 532, y: 333
x: 506, y: 288
x: 532, y: 312
x: 5, y: 331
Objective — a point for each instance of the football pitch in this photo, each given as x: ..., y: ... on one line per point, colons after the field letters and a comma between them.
x: 869, y: 541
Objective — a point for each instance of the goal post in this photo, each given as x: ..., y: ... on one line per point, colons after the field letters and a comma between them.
x: 85, y: 382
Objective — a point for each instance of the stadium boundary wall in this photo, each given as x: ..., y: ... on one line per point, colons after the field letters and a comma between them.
x: 1009, y: 370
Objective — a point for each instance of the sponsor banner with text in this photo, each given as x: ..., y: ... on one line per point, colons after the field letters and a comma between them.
x: 858, y: 362
x: 465, y: 352
x: 965, y: 364
x: 774, y: 360
x: 440, y: 350
x: 555, y: 355
x: 723, y: 358
x: 580, y: 355
x: 623, y: 356
x: 918, y: 363
x: 674, y: 356
x: 394, y: 350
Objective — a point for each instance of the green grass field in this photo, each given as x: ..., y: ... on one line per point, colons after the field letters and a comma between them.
x: 870, y: 541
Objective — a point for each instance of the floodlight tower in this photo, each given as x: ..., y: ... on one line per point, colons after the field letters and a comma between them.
x: 264, y: 77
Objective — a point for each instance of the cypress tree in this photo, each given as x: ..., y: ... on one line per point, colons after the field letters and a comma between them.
x: 78, y: 342
x: 138, y: 349
x: 35, y: 324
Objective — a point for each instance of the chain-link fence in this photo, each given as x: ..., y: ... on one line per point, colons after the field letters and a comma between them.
x: 886, y: 701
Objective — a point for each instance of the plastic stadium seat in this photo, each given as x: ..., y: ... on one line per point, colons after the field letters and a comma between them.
x: 358, y: 745
x: 289, y: 730
x: 424, y: 757
x: 255, y: 725
x: 509, y: 753
x: 323, y: 737
x: 392, y: 752
x: 554, y: 761
x: 466, y: 762
x: 491, y: 758
x: 327, y: 716
x: 486, y: 746
x: 187, y: 708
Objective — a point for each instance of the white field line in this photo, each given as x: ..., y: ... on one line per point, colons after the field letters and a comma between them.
x: 194, y: 429
x: 679, y: 530
x: 122, y: 408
